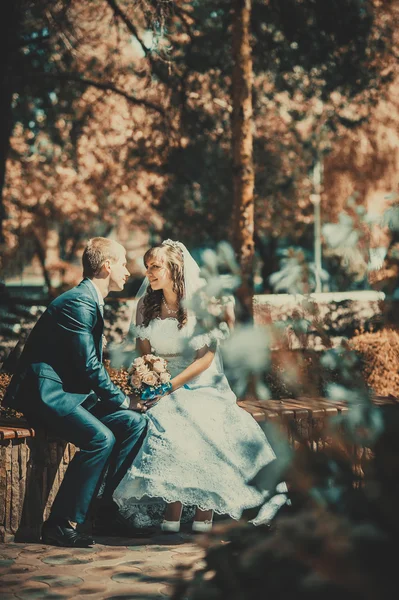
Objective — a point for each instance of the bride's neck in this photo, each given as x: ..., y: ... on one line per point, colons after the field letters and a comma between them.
x: 170, y: 298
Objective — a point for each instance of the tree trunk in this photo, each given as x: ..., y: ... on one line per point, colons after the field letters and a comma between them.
x: 10, y: 18
x: 243, y: 171
x: 267, y: 249
x: 41, y: 254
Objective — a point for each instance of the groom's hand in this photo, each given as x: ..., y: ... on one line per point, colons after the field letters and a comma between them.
x: 167, y: 389
x: 150, y: 403
x: 136, y: 403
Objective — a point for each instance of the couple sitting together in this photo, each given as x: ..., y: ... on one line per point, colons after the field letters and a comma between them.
x: 192, y: 446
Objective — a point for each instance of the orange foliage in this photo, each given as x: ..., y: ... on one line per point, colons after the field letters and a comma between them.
x: 380, y: 358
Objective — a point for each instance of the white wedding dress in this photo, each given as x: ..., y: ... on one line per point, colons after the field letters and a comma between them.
x: 201, y: 448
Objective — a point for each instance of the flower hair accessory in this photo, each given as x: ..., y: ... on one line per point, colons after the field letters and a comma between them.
x: 174, y: 244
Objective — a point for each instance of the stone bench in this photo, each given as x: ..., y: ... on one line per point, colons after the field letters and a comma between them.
x: 33, y: 463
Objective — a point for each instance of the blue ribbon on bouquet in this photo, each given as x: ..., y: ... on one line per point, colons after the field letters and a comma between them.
x: 152, y: 392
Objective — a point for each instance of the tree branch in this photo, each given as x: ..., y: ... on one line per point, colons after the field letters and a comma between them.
x: 33, y: 41
x: 108, y: 86
x: 41, y: 254
x: 118, y: 12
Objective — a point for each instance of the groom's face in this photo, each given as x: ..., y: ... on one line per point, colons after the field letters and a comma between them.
x: 118, y: 271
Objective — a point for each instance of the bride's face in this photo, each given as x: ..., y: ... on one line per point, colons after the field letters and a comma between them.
x: 158, y: 273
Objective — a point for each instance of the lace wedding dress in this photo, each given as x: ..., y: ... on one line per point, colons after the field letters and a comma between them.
x: 201, y: 448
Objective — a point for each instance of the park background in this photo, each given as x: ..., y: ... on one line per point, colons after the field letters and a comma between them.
x: 269, y: 125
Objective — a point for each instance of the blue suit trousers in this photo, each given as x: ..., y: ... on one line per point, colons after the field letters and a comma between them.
x: 108, y: 439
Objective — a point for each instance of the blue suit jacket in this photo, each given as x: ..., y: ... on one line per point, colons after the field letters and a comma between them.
x: 62, y: 359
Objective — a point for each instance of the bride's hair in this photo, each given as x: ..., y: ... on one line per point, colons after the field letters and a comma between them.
x: 152, y: 302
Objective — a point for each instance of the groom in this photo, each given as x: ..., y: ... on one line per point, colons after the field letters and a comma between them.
x: 61, y: 384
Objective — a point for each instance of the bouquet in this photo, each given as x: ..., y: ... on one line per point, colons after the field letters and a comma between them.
x: 149, y: 376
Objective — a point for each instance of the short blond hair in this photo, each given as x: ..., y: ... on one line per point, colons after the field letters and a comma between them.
x: 97, y: 251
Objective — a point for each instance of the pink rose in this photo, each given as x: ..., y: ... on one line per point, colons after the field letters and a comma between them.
x: 135, y: 381
x: 138, y: 361
x: 150, y: 378
x: 158, y: 366
x: 150, y: 358
x: 142, y: 370
x: 164, y: 377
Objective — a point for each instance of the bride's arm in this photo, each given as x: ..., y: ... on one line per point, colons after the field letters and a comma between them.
x: 229, y: 316
x: 205, y: 356
x: 144, y: 346
x: 202, y: 361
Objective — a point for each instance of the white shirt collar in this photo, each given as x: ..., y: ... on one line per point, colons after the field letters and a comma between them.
x: 99, y: 294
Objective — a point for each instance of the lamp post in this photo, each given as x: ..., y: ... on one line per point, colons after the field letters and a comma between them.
x: 315, y: 199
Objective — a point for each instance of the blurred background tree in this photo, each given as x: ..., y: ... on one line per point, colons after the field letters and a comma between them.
x: 123, y: 114
x: 71, y: 174
x: 312, y: 83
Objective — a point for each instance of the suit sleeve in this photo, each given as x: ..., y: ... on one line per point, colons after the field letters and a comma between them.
x: 77, y: 320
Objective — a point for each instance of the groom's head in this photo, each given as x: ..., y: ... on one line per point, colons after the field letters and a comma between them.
x: 105, y: 259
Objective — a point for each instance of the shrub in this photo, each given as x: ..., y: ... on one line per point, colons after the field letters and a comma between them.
x: 379, y: 353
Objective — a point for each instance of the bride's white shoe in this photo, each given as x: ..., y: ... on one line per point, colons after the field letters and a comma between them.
x: 170, y: 526
x: 201, y: 526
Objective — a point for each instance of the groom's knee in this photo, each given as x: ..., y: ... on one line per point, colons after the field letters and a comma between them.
x: 103, y: 441
x: 134, y: 423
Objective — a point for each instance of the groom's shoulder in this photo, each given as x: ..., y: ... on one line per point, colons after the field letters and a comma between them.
x: 80, y: 291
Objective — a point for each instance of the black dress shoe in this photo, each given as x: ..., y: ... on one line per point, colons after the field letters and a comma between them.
x: 56, y: 534
x: 117, y: 526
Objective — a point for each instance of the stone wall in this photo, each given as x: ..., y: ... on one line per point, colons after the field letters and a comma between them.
x: 310, y: 320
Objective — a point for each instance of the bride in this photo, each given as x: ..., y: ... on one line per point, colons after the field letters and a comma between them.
x: 201, y: 448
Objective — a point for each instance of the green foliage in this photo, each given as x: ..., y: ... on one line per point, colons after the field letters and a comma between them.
x: 198, y: 202
x: 40, y: 94
x: 322, y: 47
x: 309, y: 48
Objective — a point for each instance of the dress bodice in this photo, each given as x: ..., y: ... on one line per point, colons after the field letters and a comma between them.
x: 165, y: 337
x: 177, y: 346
